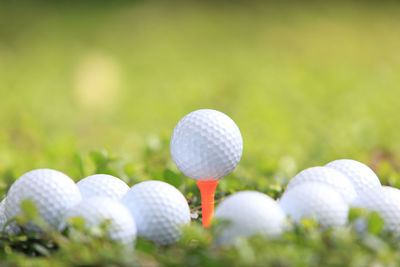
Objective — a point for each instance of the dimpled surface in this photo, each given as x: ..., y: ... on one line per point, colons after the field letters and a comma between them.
x: 52, y: 192
x: 392, y: 192
x: 102, y: 185
x: 327, y: 176
x: 359, y: 174
x: 386, y: 204
x: 159, y: 210
x: 206, y: 145
x: 11, y: 228
x: 99, y: 210
x: 3, y: 218
x: 317, y: 200
x: 258, y: 214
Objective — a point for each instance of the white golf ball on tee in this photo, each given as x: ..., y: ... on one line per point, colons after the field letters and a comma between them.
x: 328, y: 176
x: 359, y: 174
x: 159, y: 210
x: 317, y: 200
x: 249, y: 213
x: 102, y: 185
x: 206, y: 145
x: 51, y: 191
x: 100, y: 210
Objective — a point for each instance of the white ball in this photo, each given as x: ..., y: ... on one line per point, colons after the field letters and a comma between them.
x: 97, y: 211
x: 206, y: 145
x: 159, y: 210
x: 51, y: 191
x: 328, y: 176
x: 385, y: 203
x: 317, y: 200
x: 102, y: 185
x: 12, y: 228
x: 359, y: 174
x: 249, y: 213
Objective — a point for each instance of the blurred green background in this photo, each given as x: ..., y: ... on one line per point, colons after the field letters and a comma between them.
x: 306, y: 82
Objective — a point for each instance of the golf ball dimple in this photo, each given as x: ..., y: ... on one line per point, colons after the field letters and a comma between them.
x: 159, y: 210
x: 317, y: 200
x: 328, y: 176
x: 97, y: 211
x: 102, y: 185
x: 249, y: 213
x: 359, y: 174
x: 52, y: 192
x: 206, y: 145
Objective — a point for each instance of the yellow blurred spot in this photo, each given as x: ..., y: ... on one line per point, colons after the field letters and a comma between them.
x: 97, y: 81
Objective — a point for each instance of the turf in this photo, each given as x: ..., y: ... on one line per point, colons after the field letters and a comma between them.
x: 90, y: 87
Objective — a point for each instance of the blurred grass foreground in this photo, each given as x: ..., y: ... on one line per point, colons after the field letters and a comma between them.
x: 97, y: 86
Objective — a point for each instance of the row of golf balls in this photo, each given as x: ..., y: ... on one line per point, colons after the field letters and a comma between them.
x: 323, y: 193
x: 154, y: 210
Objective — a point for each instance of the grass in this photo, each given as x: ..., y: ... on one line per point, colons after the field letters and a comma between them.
x: 98, y: 87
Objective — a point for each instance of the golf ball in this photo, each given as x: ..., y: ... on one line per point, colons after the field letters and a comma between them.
x: 206, y: 145
x: 102, y: 185
x: 97, y: 211
x: 159, y: 210
x: 385, y: 203
x: 359, y: 174
x: 328, y: 176
x: 259, y: 214
x: 52, y: 192
x: 316, y: 200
